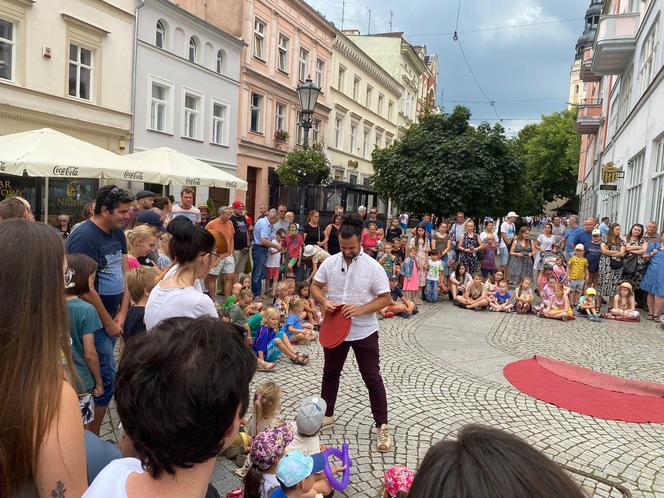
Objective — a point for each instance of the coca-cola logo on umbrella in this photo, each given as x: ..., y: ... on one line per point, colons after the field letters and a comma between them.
x: 193, y: 181
x: 133, y: 175
x: 65, y: 171
x: 2, y: 166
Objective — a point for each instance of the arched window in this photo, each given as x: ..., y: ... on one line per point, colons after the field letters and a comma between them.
x: 193, y: 49
x: 160, y: 35
x: 220, y: 61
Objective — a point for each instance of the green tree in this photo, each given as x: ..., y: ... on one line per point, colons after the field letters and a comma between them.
x: 549, y: 151
x: 443, y: 164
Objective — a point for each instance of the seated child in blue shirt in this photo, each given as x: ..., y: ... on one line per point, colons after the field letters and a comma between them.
x: 293, y: 327
x: 268, y: 344
x: 500, y: 301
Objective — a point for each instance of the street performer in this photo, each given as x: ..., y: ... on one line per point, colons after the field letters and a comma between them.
x: 359, y: 285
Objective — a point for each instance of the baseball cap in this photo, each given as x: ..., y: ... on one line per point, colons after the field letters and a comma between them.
x: 579, y: 247
x: 149, y: 217
x: 310, y: 417
x: 309, y: 251
x: 145, y: 193
x: 238, y: 204
x: 596, y: 232
x: 591, y: 291
x: 295, y: 467
x: 398, y: 479
x: 269, y: 445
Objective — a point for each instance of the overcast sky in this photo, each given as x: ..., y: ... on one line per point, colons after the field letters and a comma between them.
x: 531, y: 62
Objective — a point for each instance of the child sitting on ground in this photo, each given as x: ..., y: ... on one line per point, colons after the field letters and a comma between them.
x: 559, y: 270
x: 558, y: 307
x: 399, y: 304
x: 489, y: 252
x: 524, y: 297
x: 267, y: 448
x: 474, y: 297
x: 459, y: 280
x: 235, y: 294
x: 434, y: 278
x: 273, y: 263
x: 501, y: 299
x: 269, y: 344
x: 239, y: 311
x: 293, y: 326
x: 398, y: 480
x: 282, y: 301
x: 301, y: 476
x: 245, y: 281
x: 589, y: 305
x: 140, y: 283
x: 624, y: 304
x: 577, y: 274
x: 307, y: 425
x: 493, y: 281
x: 313, y: 315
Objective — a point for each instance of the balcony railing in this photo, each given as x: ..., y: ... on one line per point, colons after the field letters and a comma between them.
x: 615, y: 43
x: 586, y: 73
x: 589, y: 117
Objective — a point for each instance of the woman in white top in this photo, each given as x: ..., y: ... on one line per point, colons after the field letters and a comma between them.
x: 180, y: 292
x: 543, y: 244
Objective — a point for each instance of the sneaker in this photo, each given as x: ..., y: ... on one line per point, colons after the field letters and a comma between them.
x: 328, y: 423
x: 405, y: 314
x: 384, y: 439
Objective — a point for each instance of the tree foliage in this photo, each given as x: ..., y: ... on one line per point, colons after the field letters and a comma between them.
x: 302, y: 165
x: 443, y: 164
x: 549, y: 152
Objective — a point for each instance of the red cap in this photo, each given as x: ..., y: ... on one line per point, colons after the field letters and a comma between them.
x: 334, y: 329
x: 238, y: 204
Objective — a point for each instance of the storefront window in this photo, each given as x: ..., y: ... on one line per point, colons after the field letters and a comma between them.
x: 23, y: 186
x: 69, y: 196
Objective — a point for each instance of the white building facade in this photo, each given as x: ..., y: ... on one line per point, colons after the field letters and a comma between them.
x: 625, y: 126
x: 187, y: 86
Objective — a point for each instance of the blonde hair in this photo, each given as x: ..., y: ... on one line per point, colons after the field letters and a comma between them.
x: 267, y: 401
x: 281, y: 286
x: 296, y: 303
x: 140, y: 280
x: 270, y: 313
x: 164, y: 239
x: 139, y: 232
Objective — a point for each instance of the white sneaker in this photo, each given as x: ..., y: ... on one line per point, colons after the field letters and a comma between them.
x: 384, y: 439
x: 328, y: 423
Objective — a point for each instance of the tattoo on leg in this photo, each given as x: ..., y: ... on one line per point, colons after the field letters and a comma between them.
x: 59, y: 491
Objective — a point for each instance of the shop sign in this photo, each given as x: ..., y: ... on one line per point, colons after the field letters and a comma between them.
x: 610, y: 173
x: 9, y: 190
x: 65, y: 171
x: 133, y: 175
x: 608, y: 187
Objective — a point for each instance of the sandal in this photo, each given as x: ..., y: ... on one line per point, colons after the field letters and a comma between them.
x: 656, y: 319
x: 300, y: 360
x: 266, y: 367
x: 651, y: 317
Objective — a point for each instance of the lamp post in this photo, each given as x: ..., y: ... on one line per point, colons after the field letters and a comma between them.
x: 307, y: 93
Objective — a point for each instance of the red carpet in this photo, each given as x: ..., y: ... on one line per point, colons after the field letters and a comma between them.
x: 588, y: 392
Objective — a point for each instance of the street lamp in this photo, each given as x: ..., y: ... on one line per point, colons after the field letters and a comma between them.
x: 308, y: 94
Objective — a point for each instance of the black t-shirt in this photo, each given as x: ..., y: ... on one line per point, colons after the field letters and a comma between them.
x: 241, y: 229
x: 313, y: 235
x: 396, y: 293
x: 393, y: 233
x: 134, y: 322
x: 377, y: 222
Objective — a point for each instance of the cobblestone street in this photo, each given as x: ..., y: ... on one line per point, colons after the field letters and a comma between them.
x: 443, y: 369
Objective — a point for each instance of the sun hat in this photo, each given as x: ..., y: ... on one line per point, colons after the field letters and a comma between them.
x: 309, y: 251
x: 596, y: 231
x: 310, y: 416
x: 579, y: 247
x: 512, y: 214
x: 626, y: 285
x: 238, y: 204
x: 590, y: 291
x: 295, y: 467
x: 269, y: 445
x: 398, y: 479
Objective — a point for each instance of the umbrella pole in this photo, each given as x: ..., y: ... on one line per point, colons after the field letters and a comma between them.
x: 46, y: 206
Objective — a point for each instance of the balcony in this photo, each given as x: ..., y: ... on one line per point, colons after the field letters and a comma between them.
x: 615, y: 43
x: 589, y: 117
x: 586, y: 73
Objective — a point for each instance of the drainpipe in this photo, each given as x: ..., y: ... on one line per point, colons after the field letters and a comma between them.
x: 133, y: 77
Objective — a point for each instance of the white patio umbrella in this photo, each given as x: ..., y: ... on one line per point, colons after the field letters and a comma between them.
x: 52, y: 154
x: 182, y: 169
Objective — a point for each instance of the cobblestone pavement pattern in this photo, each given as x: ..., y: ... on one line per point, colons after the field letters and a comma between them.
x: 443, y: 369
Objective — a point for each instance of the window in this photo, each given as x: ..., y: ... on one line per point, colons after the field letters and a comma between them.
x: 649, y: 58
x: 657, y: 204
x: 365, y: 144
x: 388, y: 140
x: 379, y: 139
x: 367, y: 102
x: 220, y: 62
x: 159, y: 107
x: 303, y: 65
x: 320, y: 72
x: 282, y: 59
x: 280, y: 118
x: 219, y: 123
x: 315, y: 128
x: 256, y: 111
x: 193, y: 50
x: 341, y: 78
x: 192, y: 113
x: 160, y: 35
x: 259, y: 39
x: 390, y: 110
x: 352, y: 178
x: 356, y: 88
x: 624, y: 97
x: 80, y: 72
x: 353, y: 138
x: 7, y: 49
x: 338, y: 130
x: 634, y: 178
x: 381, y: 99
x: 365, y: 181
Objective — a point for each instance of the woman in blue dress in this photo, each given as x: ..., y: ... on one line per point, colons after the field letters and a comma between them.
x: 653, y: 280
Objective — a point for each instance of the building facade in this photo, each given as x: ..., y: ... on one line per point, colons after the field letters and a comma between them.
x: 398, y: 57
x: 364, y: 98
x: 577, y: 90
x: 286, y: 42
x: 187, y: 89
x: 622, y: 119
x: 66, y: 65
x: 426, y: 98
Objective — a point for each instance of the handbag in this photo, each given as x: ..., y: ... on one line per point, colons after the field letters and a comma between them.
x: 616, y: 262
x: 630, y: 264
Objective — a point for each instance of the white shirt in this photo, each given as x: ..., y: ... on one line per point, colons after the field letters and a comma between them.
x: 359, y: 283
x: 546, y: 243
x: 309, y: 445
x: 508, y: 229
x: 111, y: 482
x: 274, y: 256
x: 170, y: 303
